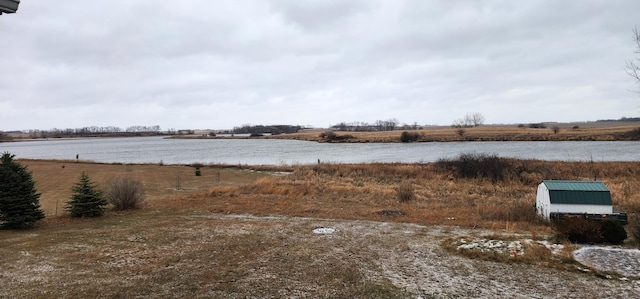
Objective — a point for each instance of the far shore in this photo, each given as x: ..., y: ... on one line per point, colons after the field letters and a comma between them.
x: 587, y: 131
x: 606, y: 131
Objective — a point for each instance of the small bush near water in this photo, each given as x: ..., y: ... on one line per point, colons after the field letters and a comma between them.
x: 126, y: 194
x: 474, y: 165
x: 330, y: 136
x: 633, y: 134
x: 409, y: 137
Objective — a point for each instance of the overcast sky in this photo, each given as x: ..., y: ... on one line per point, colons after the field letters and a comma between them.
x: 218, y: 64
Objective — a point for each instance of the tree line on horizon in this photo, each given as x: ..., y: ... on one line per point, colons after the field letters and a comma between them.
x: 94, y: 131
x: 378, y: 125
x: 266, y: 129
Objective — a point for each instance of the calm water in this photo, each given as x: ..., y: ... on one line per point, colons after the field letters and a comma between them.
x: 274, y: 152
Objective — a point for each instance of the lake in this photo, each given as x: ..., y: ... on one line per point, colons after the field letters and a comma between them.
x: 276, y: 152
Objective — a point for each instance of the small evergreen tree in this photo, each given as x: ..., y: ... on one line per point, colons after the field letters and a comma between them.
x: 19, y: 200
x: 86, y: 200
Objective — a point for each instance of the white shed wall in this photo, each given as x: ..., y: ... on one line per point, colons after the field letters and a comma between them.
x: 589, y: 209
x: 543, y: 202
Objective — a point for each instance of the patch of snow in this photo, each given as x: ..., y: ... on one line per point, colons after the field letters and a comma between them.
x: 514, y: 248
x: 625, y: 262
x: 324, y: 230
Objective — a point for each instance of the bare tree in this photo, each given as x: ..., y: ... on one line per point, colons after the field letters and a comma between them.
x: 555, y: 129
x: 459, y: 123
x: 633, y: 65
x: 475, y: 119
x: 469, y: 120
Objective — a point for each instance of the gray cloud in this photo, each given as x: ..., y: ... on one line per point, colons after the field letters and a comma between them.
x: 218, y: 64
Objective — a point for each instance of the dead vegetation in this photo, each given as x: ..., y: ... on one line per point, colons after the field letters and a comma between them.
x: 588, y: 131
x: 437, y: 194
x: 430, y: 193
x: 190, y: 241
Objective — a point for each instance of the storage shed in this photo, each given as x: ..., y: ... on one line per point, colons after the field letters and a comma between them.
x: 558, y: 198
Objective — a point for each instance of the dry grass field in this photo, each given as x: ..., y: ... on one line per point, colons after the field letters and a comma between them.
x: 596, y: 131
x: 54, y: 179
x: 248, y: 233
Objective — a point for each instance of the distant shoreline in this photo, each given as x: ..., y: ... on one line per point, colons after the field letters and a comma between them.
x: 565, y: 132
x: 595, y: 131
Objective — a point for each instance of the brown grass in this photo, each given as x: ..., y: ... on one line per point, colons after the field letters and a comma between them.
x: 363, y: 191
x: 180, y: 244
x: 54, y: 179
x: 591, y: 131
x: 347, y: 191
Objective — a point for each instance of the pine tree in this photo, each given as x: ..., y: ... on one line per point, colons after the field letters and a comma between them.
x: 86, y: 200
x: 19, y: 200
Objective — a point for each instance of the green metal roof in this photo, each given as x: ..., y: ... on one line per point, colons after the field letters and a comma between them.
x: 578, y: 192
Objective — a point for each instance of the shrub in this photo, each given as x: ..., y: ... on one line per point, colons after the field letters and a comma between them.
x: 633, y: 134
x: 328, y: 135
x: 409, y: 137
x: 86, y: 200
x: 405, y: 192
x: 613, y: 231
x: 634, y: 227
x: 579, y: 230
x: 345, y: 137
x: 537, y: 126
x: 4, y: 136
x: 126, y: 194
x: 473, y: 165
x: 19, y: 200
